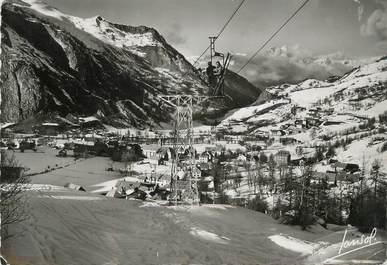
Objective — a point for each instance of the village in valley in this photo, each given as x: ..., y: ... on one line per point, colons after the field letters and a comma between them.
x: 258, y: 157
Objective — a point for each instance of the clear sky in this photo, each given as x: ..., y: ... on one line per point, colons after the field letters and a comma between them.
x: 354, y: 27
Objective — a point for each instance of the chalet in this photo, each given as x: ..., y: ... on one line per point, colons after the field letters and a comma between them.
x: 219, y: 149
x: 164, y: 154
x: 297, y: 109
x: 261, y: 143
x: 277, y: 132
x: 7, y: 129
x: 181, y: 150
x: 204, y: 166
x: 299, y: 161
x: 148, y: 134
x: 150, y: 151
x: 114, y: 193
x: 300, y: 123
x: 48, y: 128
x: 67, y: 124
x: 329, y: 122
x: 7, y: 133
x: 328, y: 111
x: 62, y: 153
x: 333, y: 178
x: 90, y: 122
x: 314, y: 112
x: 73, y: 186
x: 310, y: 122
x: 346, y: 167
x: 180, y: 174
x: 82, y: 150
x: 124, y: 153
x: 233, y: 139
x: 296, y: 129
x: 282, y: 157
x: 256, y: 148
x: 211, y: 149
x: 196, y: 173
x: 242, y: 158
x: 7, y: 125
x: 262, y: 134
x: 126, y: 187
x: 205, y: 157
x: 91, y: 137
x: 285, y: 126
x: 288, y: 140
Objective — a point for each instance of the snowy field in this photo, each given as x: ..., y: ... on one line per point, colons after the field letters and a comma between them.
x: 359, y: 151
x: 307, y: 97
x: 66, y: 225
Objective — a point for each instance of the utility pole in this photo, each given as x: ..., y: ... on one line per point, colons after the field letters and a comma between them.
x: 184, y: 183
x: 212, y: 47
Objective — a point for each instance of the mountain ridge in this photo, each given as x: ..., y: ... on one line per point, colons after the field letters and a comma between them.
x: 53, y: 62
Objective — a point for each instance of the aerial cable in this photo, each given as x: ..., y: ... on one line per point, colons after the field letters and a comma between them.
x: 221, y: 31
x: 273, y: 35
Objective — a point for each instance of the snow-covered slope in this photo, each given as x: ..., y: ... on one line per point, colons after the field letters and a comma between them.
x: 69, y: 228
x: 362, y: 82
x: 360, y: 94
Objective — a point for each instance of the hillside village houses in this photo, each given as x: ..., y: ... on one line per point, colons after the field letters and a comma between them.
x: 282, y: 158
x: 205, y: 157
x: 157, y: 154
x: 242, y: 158
x: 157, y: 150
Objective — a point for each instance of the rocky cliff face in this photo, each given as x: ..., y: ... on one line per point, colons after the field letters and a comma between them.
x: 53, y: 62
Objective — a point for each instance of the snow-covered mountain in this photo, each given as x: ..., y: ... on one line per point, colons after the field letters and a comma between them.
x: 56, y: 63
x: 362, y: 91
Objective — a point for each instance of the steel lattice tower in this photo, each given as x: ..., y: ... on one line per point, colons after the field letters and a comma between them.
x: 184, y: 181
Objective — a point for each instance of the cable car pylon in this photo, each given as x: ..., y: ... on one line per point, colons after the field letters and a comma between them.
x: 184, y: 173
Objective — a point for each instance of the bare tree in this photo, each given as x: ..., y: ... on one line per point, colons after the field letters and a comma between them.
x: 258, y: 179
x: 13, y: 201
x: 247, y: 166
x: 375, y: 175
x: 271, y: 167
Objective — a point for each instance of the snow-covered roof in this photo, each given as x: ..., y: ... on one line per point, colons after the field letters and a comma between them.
x: 50, y: 124
x: 89, y: 119
x: 150, y: 147
x: 90, y: 135
x: 6, y: 125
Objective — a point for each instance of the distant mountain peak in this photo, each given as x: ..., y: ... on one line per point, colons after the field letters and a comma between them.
x: 109, y: 33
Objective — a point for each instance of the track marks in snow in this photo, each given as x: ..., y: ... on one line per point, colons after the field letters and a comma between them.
x: 293, y: 244
x: 203, y: 234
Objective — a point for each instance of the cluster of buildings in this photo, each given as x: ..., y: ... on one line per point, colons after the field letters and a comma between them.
x: 88, y: 136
